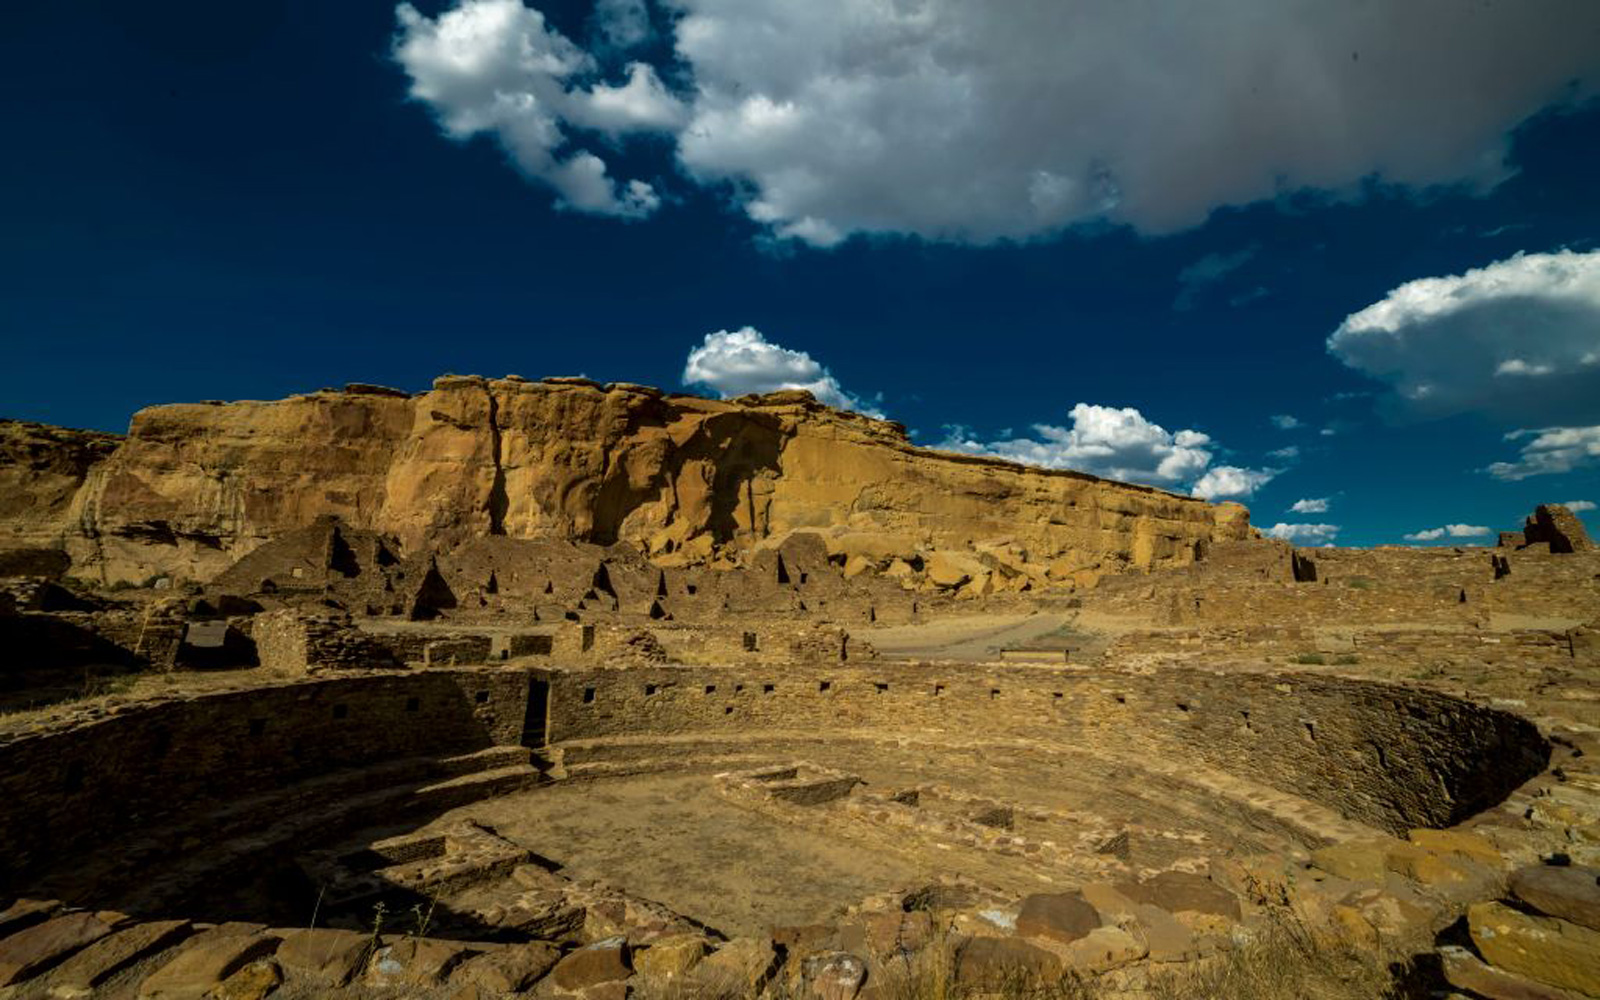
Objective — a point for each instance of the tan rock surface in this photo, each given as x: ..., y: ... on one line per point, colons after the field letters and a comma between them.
x: 196, y: 486
x: 1544, y: 949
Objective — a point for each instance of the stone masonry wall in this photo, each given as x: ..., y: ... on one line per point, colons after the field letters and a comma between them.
x: 67, y: 785
x: 1389, y: 756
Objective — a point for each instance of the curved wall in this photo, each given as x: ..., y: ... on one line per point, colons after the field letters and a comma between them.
x: 85, y: 781
x: 1393, y: 757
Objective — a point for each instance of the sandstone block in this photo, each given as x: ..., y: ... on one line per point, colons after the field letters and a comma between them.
x: 743, y: 963
x: 1001, y: 962
x: 601, y: 962
x: 1569, y: 892
x: 1358, y: 860
x: 1103, y: 949
x: 25, y: 913
x: 834, y: 975
x: 1103, y: 896
x: 324, y: 956
x: 253, y: 982
x: 1063, y: 917
x: 1433, y: 869
x: 670, y: 957
x: 34, y: 949
x: 1469, y: 845
x: 1545, y: 949
x: 203, y: 963
x: 510, y: 969
x: 1166, y: 937
x: 1176, y: 891
x: 78, y: 975
x: 1465, y: 971
x: 414, y: 962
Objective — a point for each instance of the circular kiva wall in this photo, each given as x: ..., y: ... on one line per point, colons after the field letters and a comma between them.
x: 1391, y: 757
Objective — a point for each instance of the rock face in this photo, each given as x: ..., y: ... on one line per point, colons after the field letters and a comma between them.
x: 690, y: 481
x: 42, y: 469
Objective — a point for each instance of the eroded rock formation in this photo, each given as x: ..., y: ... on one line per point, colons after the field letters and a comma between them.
x: 690, y: 481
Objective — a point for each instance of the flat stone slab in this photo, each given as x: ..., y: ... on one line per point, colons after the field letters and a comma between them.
x: 324, y: 956
x: 81, y: 973
x: 414, y: 962
x: 1176, y: 892
x: 602, y: 962
x: 26, y: 913
x: 34, y: 949
x: 207, y: 960
x: 1570, y: 892
x: 1545, y: 949
x: 1465, y: 971
x: 1063, y: 916
x: 992, y: 961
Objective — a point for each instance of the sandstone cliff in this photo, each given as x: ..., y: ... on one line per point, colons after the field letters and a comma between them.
x: 690, y: 481
x: 42, y: 468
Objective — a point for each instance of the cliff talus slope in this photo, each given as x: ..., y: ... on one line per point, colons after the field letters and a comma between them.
x: 692, y: 481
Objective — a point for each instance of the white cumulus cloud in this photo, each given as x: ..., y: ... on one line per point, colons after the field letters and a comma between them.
x: 1316, y: 505
x: 496, y: 67
x: 1518, y: 338
x: 1448, y: 531
x: 975, y: 121
x: 737, y: 362
x: 1102, y: 441
x: 1310, y: 534
x: 1550, y: 451
x: 1223, y: 481
x: 1579, y: 506
x: 1285, y: 422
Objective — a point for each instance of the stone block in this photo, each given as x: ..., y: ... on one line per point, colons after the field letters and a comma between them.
x: 78, y: 975
x: 204, y: 963
x: 510, y: 969
x: 31, y: 950
x: 601, y: 962
x: 1357, y: 860
x: 324, y: 956
x: 743, y: 963
x: 1063, y: 917
x: 253, y: 982
x: 1103, y: 949
x: 1469, y: 845
x: 1176, y: 891
x: 1544, y: 949
x: 832, y: 975
x: 670, y: 957
x: 25, y: 913
x: 1164, y: 935
x: 414, y: 962
x: 1005, y: 962
x: 1465, y: 971
x: 1569, y: 892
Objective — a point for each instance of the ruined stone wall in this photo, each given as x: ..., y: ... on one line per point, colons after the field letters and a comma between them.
x: 691, y: 481
x: 66, y: 784
x: 1520, y: 648
x: 1389, y: 756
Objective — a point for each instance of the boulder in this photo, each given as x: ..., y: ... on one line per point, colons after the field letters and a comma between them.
x: 1545, y: 949
x: 832, y: 975
x: 34, y: 949
x: 1357, y: 860
x: 601, y: 962
x: 1571, y: 892
x: 1468, y: 845
x: 1103, y: 949
x: 1176, y: 891
x: 741, y: 964
x: 253, y: 982
x: 1063, y: 917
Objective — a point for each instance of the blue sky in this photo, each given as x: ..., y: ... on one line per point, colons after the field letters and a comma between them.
x: 1106, y: 241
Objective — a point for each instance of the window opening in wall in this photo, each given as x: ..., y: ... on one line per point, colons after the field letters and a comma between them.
x: 881, y: 686
x: 728, y: 710
x: 737, y: 688
x: 258, y: 726
x: 72, y: 781
x: 783, y: 572
x: 1311, y: 731
x: 768, y: 688
x: 1183, y: 706
x: 1122, y: 699
x: 161, y: 742
x: 481, y: 697
x: 341, y: 711
x: 412, y: 704
x: 1057, y: 695
x: 994, y: 693
x: 824, y: 685
x: 650, y: 689
x: 690, y: 589
x: 749, y: 642
x: 1246, y: 717
x: 938, y: 689
x: 802, y: 578
x: 711, y: 689
x: 505, y: 654
x: 588, y: 696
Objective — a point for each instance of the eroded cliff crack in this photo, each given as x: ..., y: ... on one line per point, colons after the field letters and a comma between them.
x: 499, y: 502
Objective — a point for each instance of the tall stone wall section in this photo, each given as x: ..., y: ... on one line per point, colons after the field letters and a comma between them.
x: 1392, y: 757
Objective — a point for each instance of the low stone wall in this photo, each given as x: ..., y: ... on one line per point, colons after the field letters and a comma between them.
x: 67, y: 786
x: 1392, y: 757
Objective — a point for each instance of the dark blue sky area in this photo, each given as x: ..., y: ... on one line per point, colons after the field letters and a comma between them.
x: 238, y: 201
